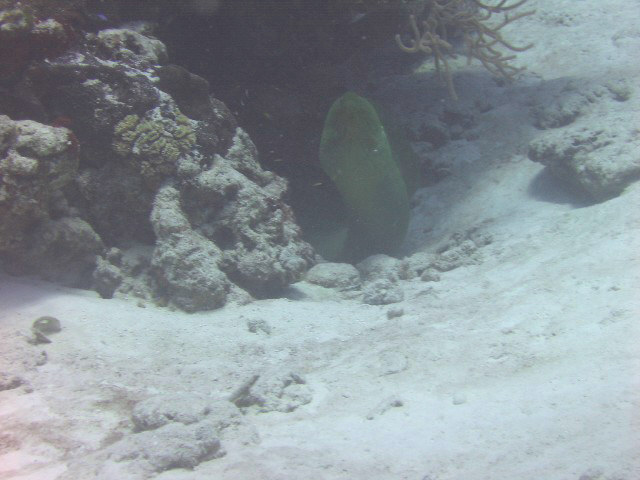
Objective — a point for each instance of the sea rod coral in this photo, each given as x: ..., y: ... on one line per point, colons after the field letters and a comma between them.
x: 472, y: 21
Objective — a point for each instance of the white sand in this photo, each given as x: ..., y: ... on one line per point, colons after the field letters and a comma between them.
x: 525, y: 366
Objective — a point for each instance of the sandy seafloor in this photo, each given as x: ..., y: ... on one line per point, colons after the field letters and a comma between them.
x: 523, y: 366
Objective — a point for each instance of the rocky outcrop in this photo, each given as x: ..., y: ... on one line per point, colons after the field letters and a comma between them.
x: 223, y: 225
x: 39, y: 231
x: 593, y: 154
x: 601, y: 159
x: 150, y: 162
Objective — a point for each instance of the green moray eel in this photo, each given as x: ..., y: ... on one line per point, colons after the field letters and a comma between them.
x: 357, y: 154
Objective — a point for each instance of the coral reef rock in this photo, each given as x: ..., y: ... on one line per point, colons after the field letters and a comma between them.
x: 39, y: 232
x: 601, y: 159
x: 148, y: 163
x: 341, y: 276
x: 595, y: 153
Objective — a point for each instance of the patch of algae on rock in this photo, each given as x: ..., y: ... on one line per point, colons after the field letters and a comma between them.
x: 154, y: 143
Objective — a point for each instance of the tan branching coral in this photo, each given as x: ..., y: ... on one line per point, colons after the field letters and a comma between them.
x: 482, y: 38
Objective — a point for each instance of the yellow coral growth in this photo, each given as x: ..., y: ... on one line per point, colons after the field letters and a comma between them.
x: 154, y: 142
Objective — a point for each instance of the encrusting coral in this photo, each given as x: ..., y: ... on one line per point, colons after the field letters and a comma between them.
x: 155, y: 141
x: 471, y: 20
